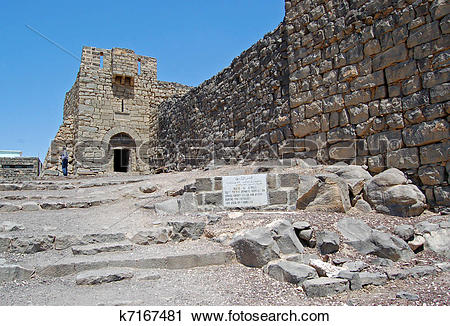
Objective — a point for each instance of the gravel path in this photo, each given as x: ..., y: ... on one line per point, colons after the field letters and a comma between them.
x: 231, y: 284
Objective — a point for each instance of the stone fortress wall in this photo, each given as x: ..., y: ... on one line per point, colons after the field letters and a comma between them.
x: 364, y: 82
x: 116, y: 92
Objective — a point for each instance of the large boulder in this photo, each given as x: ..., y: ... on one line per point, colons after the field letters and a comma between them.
x: 390, y: 246
x: 307, y: 190
x: 331, y: 194
x: 357, y: 234
x: 349, y: 172
x: 438, y: 241
x: 255, y: 248
x: 390, y: 193
x: 284, y: 234
x: 368, y: 241
x: 354, y: 175
x: 288, y: 271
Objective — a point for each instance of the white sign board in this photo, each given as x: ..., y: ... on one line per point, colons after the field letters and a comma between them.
x: 245, y: 190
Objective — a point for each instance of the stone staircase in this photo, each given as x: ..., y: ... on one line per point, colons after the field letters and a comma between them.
x: 115, y: 261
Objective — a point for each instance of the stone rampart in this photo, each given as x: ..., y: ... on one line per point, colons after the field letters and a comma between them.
x: 363, y: 82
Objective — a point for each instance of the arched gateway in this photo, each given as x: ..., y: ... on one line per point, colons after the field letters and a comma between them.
x: 122, y: 145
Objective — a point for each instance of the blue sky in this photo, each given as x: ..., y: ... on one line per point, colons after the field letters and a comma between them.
x: 191, y: 39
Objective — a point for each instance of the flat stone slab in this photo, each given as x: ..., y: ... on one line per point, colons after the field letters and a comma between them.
x: 421, y: 271
x: 7, y: 207
x: 445, y: 267
x: 183, y: 255
x: 94, y: 249
x: 30, y: 206
x: 10, y: 273
x: 103, y: 237
x: 147, y: 276
x: 368, y: 278
x: 288, y: 271
x: 325, y: 286
x: 106, y: 275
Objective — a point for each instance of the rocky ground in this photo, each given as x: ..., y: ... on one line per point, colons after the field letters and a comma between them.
x: 57, y: 231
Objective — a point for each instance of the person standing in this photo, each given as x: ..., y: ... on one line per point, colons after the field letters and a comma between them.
x: 64, y: 161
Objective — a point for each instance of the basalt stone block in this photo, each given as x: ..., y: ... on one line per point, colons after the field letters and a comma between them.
x: 434, y: 153
x: 333, y: 103
x: 278, y: 197
x: 288, y: 271
x: 391, y: 247
x: 415, y: 100
x: 431, y: 175
x: 353, y: 278
x: 341, y: 134
x: 284, y: 235
x: 289, y: 180
x: 406, y: 158
x: 359, y: 114
x: 9, y: 273
x: 396, y: 54
x: 327, y: 242
x: 440, y: 93
x: 423, y: 34
x: 255, y: 248
x: 439, y: 8
x: 342, y: 151
x: 214, y: 198
x: 389, y: 193
x: 368, y: 278
x: 357, y: 97
x: 204, y: 184
x: 433, y: 78
x: 400, y: 71
x: 426, y: 133
x: 325, y: 286
x: 442, y: 196
x: 384, y: 141
x: 405, y: 232
x: 306, y: 127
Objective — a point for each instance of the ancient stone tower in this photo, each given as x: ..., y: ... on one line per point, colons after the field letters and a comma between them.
x: 109, y: 113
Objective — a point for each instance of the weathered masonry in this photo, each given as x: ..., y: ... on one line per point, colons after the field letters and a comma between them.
x: 364, y: 82
x: 108, y: 111
x: 19, y: 168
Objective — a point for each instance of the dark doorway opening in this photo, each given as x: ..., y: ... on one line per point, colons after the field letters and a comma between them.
x: 121, y: 160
